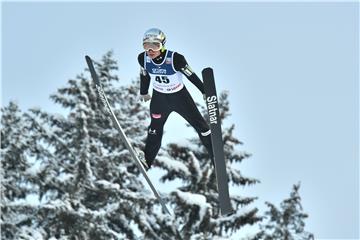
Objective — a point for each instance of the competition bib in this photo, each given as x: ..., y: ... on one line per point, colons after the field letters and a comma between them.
x: 163, y: 76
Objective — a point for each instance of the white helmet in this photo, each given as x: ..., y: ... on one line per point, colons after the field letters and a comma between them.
x: 154, y: 35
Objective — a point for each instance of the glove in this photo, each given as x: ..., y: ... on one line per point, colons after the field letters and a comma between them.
x: 145, y: 98
x: 204, y: 97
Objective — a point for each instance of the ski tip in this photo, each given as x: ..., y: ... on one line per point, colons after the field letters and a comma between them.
x: 87, y: 58
x: 208, y: 69
x: 207, y: 74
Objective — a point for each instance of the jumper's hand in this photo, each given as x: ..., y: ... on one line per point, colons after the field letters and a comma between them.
x: 145, y: 98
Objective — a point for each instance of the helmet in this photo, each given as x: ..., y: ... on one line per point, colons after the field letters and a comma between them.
x: 154, y: 35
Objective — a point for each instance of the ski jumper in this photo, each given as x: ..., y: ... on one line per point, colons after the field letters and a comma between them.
x: 170, y: 94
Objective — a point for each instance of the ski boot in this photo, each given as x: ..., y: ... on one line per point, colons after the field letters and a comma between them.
x: 141, y: 156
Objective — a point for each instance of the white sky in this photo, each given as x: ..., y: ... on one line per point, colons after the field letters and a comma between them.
x: 291, y: 70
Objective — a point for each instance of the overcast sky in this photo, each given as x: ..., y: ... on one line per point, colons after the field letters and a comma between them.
x: 291, y: 70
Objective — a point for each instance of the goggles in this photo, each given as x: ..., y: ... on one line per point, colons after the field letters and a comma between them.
x: 155, y: 46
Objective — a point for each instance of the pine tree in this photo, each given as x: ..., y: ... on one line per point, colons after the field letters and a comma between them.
x: 288, y: 222
x: 196, y: 201
x: 18, y: 154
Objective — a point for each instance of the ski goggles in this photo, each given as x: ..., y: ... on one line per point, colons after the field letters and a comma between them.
x: 155, y: 46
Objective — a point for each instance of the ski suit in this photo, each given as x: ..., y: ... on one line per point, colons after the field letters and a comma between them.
x: 170, y: 94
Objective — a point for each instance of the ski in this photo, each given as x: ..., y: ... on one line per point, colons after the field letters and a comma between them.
x: 122, y: 133
x: 217, y: 141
